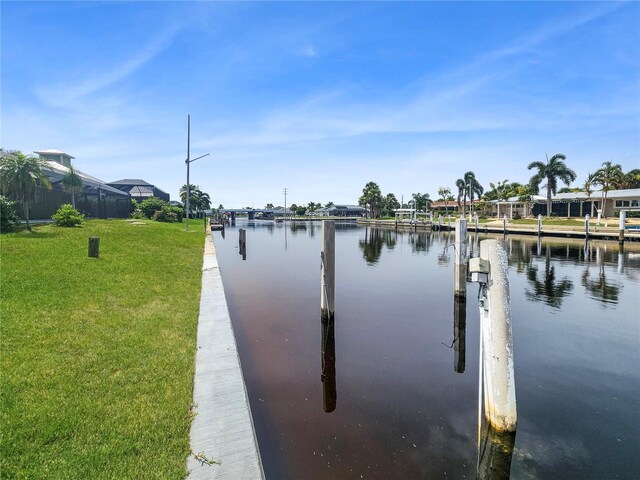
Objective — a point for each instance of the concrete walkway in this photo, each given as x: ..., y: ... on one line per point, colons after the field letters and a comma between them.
x: 222, y: 430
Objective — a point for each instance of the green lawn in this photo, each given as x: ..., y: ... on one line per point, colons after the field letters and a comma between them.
x: 97, y: 355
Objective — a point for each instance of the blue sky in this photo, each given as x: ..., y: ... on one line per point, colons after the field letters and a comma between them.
x: 321, y: 97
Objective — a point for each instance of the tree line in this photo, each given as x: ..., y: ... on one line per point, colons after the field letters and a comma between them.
x: 546, y: 175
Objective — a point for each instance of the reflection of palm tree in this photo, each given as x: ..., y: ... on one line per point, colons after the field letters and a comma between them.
x: 374, y: 240
x: 549, y: 291
x: 599, y: 288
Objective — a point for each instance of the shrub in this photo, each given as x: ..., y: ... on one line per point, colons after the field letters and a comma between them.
x: 151, y: 205
x: 67, y: 216
x: 137, y: 213
x: 517, y: 216
x: 166, y: 214
x: 8, y: 216
x: 179, y: 213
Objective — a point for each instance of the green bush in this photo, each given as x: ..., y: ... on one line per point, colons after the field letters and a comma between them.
x: 517, y: 216
x: 67, y: 216
x: 151, y: 205
x: 166, y: 214
x: 8, y: 216
x: 179, y: 213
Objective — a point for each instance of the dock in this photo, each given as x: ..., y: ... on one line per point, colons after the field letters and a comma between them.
x: 222, y: 440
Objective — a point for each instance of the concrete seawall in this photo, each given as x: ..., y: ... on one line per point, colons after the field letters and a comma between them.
x: 223, y: 441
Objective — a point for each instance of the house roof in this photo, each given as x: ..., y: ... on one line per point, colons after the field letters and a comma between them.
x: 134, y: 182
x: 56, y: 169
x: 52, y: 151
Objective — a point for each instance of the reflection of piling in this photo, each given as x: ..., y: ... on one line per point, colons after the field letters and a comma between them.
x: 495, y: 452
x: 459, y: 333
x: 496, y: 341
x: 242, y: 243
x: 328, y: 351
x: 460, y: 262
x: 621, y: 258
x: 327, y: 276
x: 623, y: 218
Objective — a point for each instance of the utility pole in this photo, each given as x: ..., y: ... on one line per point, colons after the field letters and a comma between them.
x: 188, y: 161
x: 285, y: 205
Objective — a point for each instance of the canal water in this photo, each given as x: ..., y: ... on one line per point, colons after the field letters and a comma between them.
x: 389, y: 392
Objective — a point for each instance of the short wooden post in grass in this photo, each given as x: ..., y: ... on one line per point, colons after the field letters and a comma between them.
x: 327, y: 270
x: 94, y: 247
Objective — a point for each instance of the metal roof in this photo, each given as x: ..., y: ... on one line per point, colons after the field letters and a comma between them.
x: 132, y: 182
x: 52, y: 151
x: 57, y: 169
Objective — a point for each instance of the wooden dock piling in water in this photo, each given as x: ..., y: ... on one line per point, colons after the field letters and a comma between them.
x: 460, y: 260
x: 327, y: 273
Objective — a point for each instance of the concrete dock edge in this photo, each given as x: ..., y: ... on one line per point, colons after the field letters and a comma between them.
x: 222, y: 430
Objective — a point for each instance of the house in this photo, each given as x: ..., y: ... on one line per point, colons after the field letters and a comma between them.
x: 96, y: 199
x: 570, y: 205
x: 340, y: 211
x: 139, y: 189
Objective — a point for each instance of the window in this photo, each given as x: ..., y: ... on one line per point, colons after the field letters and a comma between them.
x: 618, y: 203
x: 634, y: 203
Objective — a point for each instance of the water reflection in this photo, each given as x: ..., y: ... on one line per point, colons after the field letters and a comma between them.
x: 328, y: 377
x: 374, y: 240
x: 599, y: 288
x: 548, y: 289
x: 494, y: 455
x: 459, y: 333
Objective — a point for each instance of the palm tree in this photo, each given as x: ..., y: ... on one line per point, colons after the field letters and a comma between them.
x: 19, y: 176
x: 462, y: 191
x: 587, y: 188
x: 609, y: 175
x: 192, y: 198
x: 72, y: 183
x: 554, y: 169
x: 445, y: 194
x: 474, y: 187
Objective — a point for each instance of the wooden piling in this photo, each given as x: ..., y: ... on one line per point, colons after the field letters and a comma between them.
x: 439, y: 222
x: 460, y: 261
x: 476, y: 220
x: 94, y: 247
x: 539, y: 224
x: 586, y: 226
x: 504, y: 225
x: 497, y: 342
x: 623, y: 218
x: 327, y: 274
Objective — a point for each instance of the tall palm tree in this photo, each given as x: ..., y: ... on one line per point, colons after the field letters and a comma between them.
x: 72, y: 183
x: 554, y: 169
x: 609, y: 175
x: 587, y: 188
x: 19, y: 176
x: 462, y: 192
x: 192, y: 198
x: 474, y: 187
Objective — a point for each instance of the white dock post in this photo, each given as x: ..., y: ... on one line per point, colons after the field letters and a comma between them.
x: 586, y: 226
x: 623, y: 218
x: 460, y: 261
x: 439, y: 222
x: 504, y: 225
x: 497, y: 341
x: 476, y: 219
x: 599, y: 216
x: 539, y: 224
x: 327, y: 274
x: 449, y: 222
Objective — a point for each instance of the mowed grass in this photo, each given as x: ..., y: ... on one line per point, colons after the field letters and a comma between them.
x: 97, y: 355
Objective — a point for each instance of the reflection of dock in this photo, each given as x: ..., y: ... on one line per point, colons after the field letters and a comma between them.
x: 496, y: 227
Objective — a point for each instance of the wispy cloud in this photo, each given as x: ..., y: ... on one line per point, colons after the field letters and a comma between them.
x: 64, y: 94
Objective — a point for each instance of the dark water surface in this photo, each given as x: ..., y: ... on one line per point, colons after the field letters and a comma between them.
x: 400, y: 402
